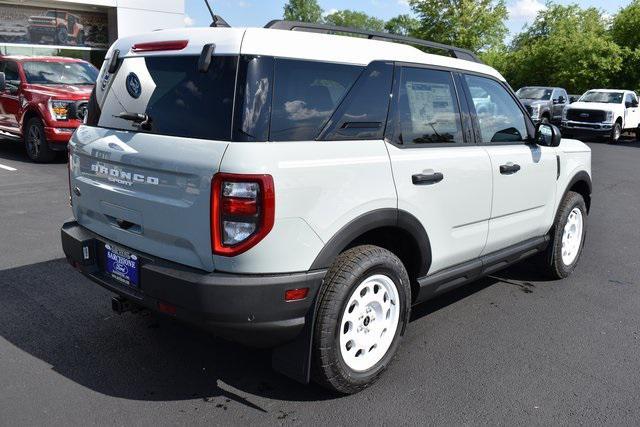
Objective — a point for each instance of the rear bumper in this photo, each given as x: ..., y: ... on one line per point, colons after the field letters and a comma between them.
x: 249, y: 309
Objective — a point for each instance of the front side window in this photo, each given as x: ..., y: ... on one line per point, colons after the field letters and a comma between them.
x: 427, y: 109
x: 305, y: 96
x: 11, y: 74
x: 60, y: 73
x: 499, y: 117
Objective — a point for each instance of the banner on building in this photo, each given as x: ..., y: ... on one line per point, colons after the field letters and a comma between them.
x: 55, y: 26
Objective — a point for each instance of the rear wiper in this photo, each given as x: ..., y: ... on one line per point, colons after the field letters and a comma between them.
x: 143, y: 120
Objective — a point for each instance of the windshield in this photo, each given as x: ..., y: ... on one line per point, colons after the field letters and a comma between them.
x: 604, y: 97
x: 540, y: 93
x: 60, y: 73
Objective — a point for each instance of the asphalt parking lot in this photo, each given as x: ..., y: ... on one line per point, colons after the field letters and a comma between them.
x: 507, y: 349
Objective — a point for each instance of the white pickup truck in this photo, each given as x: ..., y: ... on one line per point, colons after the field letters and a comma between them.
x: 603, y: 113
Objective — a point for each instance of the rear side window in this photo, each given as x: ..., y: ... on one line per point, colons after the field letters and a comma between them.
x: 253, y: 99
x: 499, y: 117
x: 363, y: 113
x: 178, y: 99
x: 427, y: 111
x: 305, y: 96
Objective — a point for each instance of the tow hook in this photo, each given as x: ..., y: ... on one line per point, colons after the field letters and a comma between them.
x: 122, y: 305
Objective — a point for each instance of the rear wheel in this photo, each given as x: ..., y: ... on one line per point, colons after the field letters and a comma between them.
x: 567, y: 239
x: 35, y: 142
x: 638, y: 133
x: 616, y: 132
x: 362, y: 312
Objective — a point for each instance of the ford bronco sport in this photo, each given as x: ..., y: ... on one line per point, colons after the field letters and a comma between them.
x: 303, y: 191
x: 43, y: 100
x: 60, y: 26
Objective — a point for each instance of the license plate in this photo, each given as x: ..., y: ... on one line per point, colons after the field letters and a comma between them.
x: 122, y: 265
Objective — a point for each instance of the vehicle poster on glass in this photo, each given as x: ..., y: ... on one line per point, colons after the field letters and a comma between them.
x: 53, y: 26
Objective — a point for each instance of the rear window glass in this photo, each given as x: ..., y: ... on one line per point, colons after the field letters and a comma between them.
x: 177, y: 98
x: 305, y: 96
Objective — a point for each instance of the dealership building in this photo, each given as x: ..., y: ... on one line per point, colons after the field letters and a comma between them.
x: 80, y: 29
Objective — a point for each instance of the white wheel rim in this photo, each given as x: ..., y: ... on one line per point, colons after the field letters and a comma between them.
x: 572, y: 236
x: 369, y: 322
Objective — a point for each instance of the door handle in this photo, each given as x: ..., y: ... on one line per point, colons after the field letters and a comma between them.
x: 427, y: 178
x: 509, y: 168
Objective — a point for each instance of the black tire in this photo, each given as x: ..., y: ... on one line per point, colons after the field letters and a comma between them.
x: 35, y: 142
x: 552, y: 261
x: 347, y: 272
x: 62, y: 35
x: 616, y: 131
x: 545, y: 120
x: 638, y: 133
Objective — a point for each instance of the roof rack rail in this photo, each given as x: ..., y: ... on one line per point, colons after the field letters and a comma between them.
x: 455, y: 52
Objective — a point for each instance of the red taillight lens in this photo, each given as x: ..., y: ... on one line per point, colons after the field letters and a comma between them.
x: 242, y: 212
x: 158, y: 46
x: 296, y: 294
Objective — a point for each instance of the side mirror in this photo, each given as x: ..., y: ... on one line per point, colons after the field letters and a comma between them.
x: 548, y: 135
x: 3, y: 83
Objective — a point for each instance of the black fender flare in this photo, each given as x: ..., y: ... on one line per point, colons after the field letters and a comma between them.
x: 580, y: 176
x: 386, y: 217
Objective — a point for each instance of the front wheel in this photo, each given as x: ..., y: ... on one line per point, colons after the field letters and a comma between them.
x: 567, y: 238
x: 616, y: 132
x: 35, y: 142
x: 363, y: 309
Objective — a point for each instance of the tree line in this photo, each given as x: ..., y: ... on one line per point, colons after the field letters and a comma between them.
x: 566, y: 45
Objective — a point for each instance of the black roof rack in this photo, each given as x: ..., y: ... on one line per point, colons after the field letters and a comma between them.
x: 455, y: 52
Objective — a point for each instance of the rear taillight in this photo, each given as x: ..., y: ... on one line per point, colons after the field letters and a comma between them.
x: 242, y: 212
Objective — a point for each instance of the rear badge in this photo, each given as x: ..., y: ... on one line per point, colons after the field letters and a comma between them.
x: 133, y: 85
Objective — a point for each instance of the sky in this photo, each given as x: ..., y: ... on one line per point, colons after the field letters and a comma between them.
x: 256, y: 13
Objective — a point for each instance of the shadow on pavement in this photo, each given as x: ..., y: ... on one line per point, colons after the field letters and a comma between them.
x: 14, y: 150
x: 49, y: 311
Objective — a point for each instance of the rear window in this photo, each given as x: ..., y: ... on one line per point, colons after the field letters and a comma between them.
x: 177, y: 98
x: 305, y: 96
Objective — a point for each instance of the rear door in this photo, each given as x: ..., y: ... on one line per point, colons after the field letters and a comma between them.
x: 441, y: 176
x: 631, y: 111
x: 524, y: 175
x: 146, y: 185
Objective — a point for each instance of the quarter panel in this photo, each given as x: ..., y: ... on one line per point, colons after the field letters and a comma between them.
x: 323, y: 184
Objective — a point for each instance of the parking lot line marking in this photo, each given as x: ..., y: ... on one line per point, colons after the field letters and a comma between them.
x: 9, y: 168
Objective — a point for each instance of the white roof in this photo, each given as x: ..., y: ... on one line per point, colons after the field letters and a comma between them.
x: 609, y: 90
x: 296, y: 45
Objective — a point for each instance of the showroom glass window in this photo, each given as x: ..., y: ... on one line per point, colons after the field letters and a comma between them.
x: 499, y: 116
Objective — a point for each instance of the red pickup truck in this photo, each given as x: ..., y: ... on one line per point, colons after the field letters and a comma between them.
x: 43, y: 100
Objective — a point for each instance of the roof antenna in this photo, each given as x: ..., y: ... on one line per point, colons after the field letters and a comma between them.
x: 213, y: 17
x: 216, y: 20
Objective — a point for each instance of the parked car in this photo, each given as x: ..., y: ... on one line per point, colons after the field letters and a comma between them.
x: 43, y: 100
x: 544, y: 104
x: 602, y: 113
x: 303, y: 191
x: 61, y: 26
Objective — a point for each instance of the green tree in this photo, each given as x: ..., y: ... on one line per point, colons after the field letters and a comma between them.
x: 473, y: 24
x: 565, y: 46
x: 626, y: 25
x: 303, y: 10
x: 404, y: 25
x: 354, y: 19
